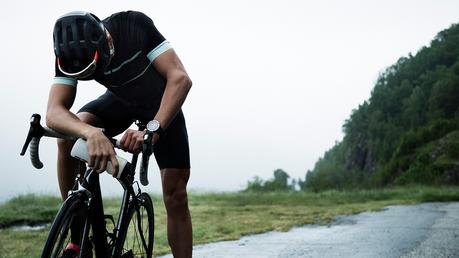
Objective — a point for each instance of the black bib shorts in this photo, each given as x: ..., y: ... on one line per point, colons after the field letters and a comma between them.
x: 116, y: 115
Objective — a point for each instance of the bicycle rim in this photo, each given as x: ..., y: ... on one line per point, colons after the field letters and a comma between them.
x: 139, y: 232
x: 60, y: 234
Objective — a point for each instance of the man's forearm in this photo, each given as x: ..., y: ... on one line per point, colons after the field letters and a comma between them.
x: 174, y: 96
x: 62, y: 120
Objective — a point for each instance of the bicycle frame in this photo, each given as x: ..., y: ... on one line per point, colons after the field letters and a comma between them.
x: 88, y: 189
x: 89, y: 186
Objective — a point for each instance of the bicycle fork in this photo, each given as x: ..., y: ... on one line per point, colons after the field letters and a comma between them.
x: 89, y: 192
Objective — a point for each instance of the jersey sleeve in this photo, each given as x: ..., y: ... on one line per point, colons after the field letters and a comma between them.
x: 155, y: 43
x: 61, y: 78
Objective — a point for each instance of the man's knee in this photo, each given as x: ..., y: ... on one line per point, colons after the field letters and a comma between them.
x: 176, y: 201
x: 174, y: 190
x: 89, y: 118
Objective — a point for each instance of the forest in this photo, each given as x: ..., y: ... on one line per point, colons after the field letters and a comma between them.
x: 407, y: 132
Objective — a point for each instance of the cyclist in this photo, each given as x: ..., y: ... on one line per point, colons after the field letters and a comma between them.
x: 145, y: 81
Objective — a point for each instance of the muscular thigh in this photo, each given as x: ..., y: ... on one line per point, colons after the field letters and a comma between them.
x: 108, y: 112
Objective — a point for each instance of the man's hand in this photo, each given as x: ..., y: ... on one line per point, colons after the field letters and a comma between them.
x: 132, y: 140
x: 100, y: 151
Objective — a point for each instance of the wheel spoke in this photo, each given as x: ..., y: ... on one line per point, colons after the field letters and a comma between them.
x: 138, y: 239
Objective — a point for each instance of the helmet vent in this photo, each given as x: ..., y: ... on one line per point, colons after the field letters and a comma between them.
x: 69, y: 34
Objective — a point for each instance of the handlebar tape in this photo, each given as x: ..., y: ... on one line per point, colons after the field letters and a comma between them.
x: 143, y: 170
x: 34, y: 156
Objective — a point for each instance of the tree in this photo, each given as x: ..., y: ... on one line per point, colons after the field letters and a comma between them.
x: 414, y: 102
x: 255, y: 185
x: 278, y: 183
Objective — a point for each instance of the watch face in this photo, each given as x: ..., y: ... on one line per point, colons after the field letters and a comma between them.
x: 153, y: 125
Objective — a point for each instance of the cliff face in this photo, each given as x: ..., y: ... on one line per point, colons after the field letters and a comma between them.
x: 405, y: 132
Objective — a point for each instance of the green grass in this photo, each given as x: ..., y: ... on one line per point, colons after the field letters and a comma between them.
x: 223, y: 216
x: 28, y: 208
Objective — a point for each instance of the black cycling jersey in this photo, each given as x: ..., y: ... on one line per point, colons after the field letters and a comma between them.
x: 131, y: 75
x: 134, y: 87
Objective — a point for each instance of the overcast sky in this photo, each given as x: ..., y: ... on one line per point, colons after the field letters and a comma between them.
x: 273, y: 81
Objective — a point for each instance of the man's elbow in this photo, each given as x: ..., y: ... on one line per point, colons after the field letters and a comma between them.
x: 50, y: 117
x: 49, y: 120
x: 187, y: 82
x: 184, y: 81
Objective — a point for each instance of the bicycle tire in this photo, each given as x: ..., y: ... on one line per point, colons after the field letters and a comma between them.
x: 134, y: 242
x: 59, y: 235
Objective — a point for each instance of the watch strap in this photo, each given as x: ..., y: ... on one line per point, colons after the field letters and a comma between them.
x: 160, y: 131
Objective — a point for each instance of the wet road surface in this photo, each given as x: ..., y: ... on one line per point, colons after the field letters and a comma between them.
x: 424, y: 230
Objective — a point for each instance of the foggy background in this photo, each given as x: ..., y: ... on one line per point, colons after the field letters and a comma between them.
x: 273, y: 81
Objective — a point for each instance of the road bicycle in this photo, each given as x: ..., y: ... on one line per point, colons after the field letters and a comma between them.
x: 81, y: 218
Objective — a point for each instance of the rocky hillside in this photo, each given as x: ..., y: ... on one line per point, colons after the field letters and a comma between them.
x: 408, y: 131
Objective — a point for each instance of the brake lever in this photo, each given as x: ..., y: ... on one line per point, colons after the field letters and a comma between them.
x: 35, y: 131
x: 147, y: 150
x: 147, y: 146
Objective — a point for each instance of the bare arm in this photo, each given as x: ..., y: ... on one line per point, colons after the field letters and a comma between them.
x: 59, y: 117
x: 178, y: 85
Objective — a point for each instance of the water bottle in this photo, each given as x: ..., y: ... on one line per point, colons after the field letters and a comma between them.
x: 80, y: 151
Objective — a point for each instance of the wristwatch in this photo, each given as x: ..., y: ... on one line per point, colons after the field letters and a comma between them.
x: 155, y: 127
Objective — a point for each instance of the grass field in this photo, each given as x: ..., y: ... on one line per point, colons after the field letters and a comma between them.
x: 220, y: 216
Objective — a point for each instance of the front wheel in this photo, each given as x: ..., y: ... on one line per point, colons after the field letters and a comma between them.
x: 136, y: 235
x: 66, y: 227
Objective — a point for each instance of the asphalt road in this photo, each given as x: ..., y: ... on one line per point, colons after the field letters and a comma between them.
x: 425, y: 230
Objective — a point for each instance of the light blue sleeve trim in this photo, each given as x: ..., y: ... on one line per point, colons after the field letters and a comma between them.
x: 66, y: 80
x: 161, y: 48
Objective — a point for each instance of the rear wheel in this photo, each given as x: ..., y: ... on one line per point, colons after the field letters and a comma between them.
x: 66, y: 228
x: 138, y: 232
